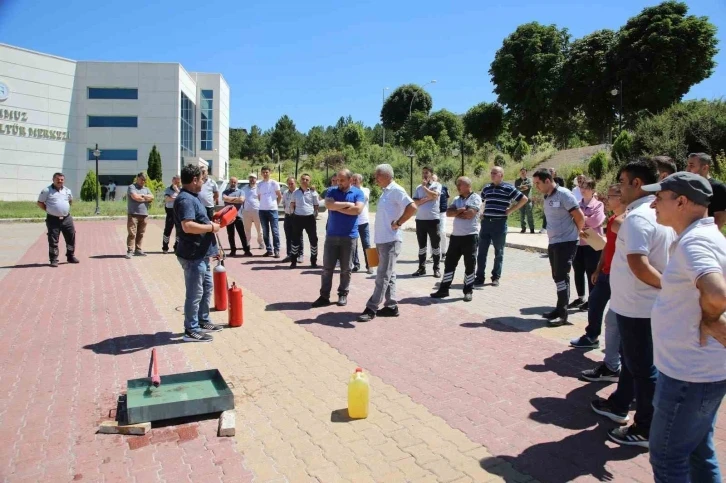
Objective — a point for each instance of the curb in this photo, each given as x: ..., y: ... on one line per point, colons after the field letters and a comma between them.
x: 80, y: 218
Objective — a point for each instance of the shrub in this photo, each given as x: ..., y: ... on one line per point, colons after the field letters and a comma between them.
x: 500, y: 160
x: 570, y: 180
x: 598, y: 165
x: 448, y: 171
x: 521, y: 149
x: 88, y: 193
x: 622, y: 148
x: 479, y: 169
x: 154, y: 167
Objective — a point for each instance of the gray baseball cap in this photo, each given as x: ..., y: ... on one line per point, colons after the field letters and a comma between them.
x: 693, y: 186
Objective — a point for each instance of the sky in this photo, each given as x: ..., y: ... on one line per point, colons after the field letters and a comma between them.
x: 317, y: 60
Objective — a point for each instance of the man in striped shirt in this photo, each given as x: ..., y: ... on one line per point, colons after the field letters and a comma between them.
x: 500, y: 199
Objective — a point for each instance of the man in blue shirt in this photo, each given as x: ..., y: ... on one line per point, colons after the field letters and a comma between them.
x: 344, y: 204
x: 197, y: 243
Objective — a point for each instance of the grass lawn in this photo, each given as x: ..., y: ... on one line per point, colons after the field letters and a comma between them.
x: 29, y: 209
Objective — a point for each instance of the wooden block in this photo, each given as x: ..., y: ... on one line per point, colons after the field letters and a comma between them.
x: 112, y: 427
x: 226, y: 423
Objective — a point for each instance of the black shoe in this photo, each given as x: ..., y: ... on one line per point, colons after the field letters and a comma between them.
x: 467, y: 297
x: 321, y: 302
x: 585, y: 342
x: 54, y: 263
x: 495, y: 282
x: 367, y: 315
x: 276, y: 255
x: 247, y: 253
x: 129, y: 254
x: 209, y: 327
x: 139, y: 253
x: 164, y: 251
x: 73, y: 259
x: 388, y: 312
x: 551, y: 315
x: 293, y: 264
x: 600, y: 374
x: 478, y: 282
x: 267, y: 254
x: 559, y: 321
x: 630, y: 436
x: 233, y: 252
x: 575, y: 303
x: 604, y: 408
x: 419, y: 272
x: 286, y: 260
x: 531, y: 231
x: 585, y: 307
x: 440, y: 294
x: 342, y: 301
x: 437, y: 273
x: 356, y: 268
x: 196, y: 336
x: 313, y: 264
x: 524, y: 230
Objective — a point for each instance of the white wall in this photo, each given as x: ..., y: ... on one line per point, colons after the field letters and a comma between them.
x: 220, y: 143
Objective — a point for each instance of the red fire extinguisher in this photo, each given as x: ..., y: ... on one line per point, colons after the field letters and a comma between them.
x: 236, y: 314
x: 220, y: 286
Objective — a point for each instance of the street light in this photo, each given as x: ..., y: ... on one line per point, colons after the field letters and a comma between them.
x: 97, y: 154
x: 383, y: 101
x: 615, y: 92
x: 410, y: 108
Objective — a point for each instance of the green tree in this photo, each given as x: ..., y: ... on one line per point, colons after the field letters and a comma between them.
x: 484, y: 122
x: 255, y: 144
x: 406, y: 98
x: 90, y: 187
x: 354, y: 135
x: 526, y: 74
x: 154, y: 166
x: 284, y: 138
x: 426, y: 150
x: 521, y: 149
x: 598, y: 165
x: 623, y: 148
x: 660, y: 54
x: 237, y: 137
x: 412, y: 130
x: 316, y: 140
x: 443, y: 124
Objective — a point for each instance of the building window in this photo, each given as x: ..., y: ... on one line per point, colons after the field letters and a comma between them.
x: 207, y: 111
x: 112, y: 93
x: 115, y: 155
x: 210, y: 161
x: 113, y: 121
x: 186, y: 134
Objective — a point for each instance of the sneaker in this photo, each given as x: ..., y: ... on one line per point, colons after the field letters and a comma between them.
x: 321, y: 302
x: 440, y: 294
x: 342, y: 301
x: 600, y: 374
x: 585, y: 307
x: 558, y: 322
x: 276, y: 255
x: 313, y: 264
x: 437, y: 273
x: 419, y: 272
x: 139, y: 253
x: 286, y: 260
x: 261, y: 247
x: 388, y: 312
x: 542, y: 231
x: 129, y: 254
x: 209, y: 327
x: 267, y: 254
x: 367, y: 315
x: 164, y: 251
x: 247, y: 254
x: 629, y: 436
x: 468, y: 297
x: 356, y: 268
x: 196, y: 336
x: 585, y: 342
x: 575, y: 303
x: 300, y: 260
x: 293, y: 264
x: 603, y: 408
x: 478, y: 282
x: 233, y: 252
x: 551, y: 315
x: 73, y: 259
x: 369, y: 271
x: 54, y: 263
x: 495, y: 282
x: 524, y: 230
x: 532, y: 232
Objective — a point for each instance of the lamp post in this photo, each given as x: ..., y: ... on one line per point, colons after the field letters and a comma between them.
x: 615, y: 92
x: 383, y: 101
x: 97, y: 154
x: 411, y: 155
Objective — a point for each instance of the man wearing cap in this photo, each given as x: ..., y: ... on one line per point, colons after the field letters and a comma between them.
x: 641, y: 256
x: 56, y: 201
x: 234, y: 196
x: 269, y: 194
x: 526, y: 212
x: 209, y: 194
x: 251, y: 211
x: 305, y: 204
x: 700, y: 163
x: 170, y: 194
x: 139, y: 199
x: 689, y: 334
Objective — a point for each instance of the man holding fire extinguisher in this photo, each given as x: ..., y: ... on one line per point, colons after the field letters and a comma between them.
x: 197, y: 244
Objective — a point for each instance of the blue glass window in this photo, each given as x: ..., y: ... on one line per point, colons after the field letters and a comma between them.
x: 186, y: 133
x: 210, y: 161
x: 207, y: 112
x: 115, y: 155
x: 113, y: 121
x: 112, y: 93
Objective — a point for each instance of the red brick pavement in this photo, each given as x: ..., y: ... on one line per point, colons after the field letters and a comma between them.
x: 69, y: 344
x: 514, y: 392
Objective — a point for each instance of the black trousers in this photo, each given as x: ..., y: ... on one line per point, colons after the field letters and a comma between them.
x: 287, y: 227
x: 168, y: 226
x: 307, y: 224
x: 241, y: 231
x: 426, y: 229
x: 460, y: 246
x: 56, y: 226
x: 210, y: 212
x: 561, y: 256
x: 584, y: 266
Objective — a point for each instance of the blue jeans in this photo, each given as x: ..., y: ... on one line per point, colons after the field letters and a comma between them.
x: 493, y: 231
x: 599, y: 297
x: 269, y: 219
x: 365, y: 239
x: 681, y: 436
x: 198, y: 283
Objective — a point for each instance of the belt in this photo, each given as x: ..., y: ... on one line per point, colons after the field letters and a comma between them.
x: 493, y: 218
x: 57, y: 217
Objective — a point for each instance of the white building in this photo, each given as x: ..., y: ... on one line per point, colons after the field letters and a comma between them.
x: 53, y: 112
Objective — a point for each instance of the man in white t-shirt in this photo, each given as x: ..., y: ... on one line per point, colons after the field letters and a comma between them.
x: 426, y: 198
x: 689, y: 334
x: 365, y: 235
x: 269, y: 194
x: 251, y: 212
x: 577, y: 190
x: 641, y: 255
x: 209, y: 194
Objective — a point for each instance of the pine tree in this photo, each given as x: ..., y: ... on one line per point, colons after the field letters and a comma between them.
x: 87, y: 191
x: 154, y: 169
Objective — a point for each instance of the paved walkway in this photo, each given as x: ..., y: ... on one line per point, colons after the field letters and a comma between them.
x: 461, y: 392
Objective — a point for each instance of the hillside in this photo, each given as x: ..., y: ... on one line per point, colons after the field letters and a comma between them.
x: 569, y: 157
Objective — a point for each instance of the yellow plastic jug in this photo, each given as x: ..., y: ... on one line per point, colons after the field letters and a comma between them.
x: 358, y: 395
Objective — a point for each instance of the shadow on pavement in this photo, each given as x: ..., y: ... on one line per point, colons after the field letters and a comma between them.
x: 279, y: 267
x: 535, y: 310
x: 129, y: 344
x: 498, y: 324
x: 106, y: 257
x: 570, y: 412
x: 341, y: 320
x: 582, y: 454
x: 340, y: 416
x: 287, y: 306
x: 566, y: 364
x: 425, y: 300
x: 28, y: 265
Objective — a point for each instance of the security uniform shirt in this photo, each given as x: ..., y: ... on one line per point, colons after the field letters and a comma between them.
x: 430, y: 209
x: 305, y: 202
x: 558, y: 207
x: 170, y: 191
x: 234, y: 193
x: 463, y: 227
x: 287, y: 199
x: 192, y: 246
x: 57, y: 202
